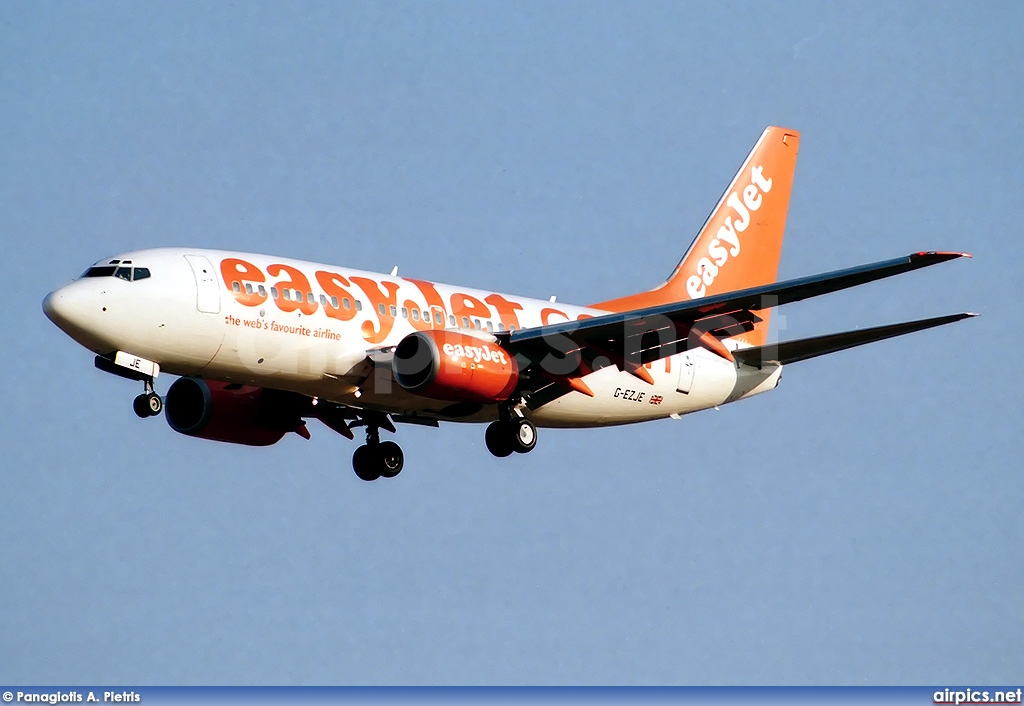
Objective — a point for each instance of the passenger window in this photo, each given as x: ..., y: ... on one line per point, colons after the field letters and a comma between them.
x: 345, y: 302
x: 359, y: 305
x: 262, y: 291
x: 415, y: 314
x: 287, y: 294
x: 465, y: 322
x: 451, y: 320
x: 273, y: 292
x: 310, y: 298
x: 380, y: 308
x: 394, y: 311
x: 323, y: 300
x: 140, y: 273
x: 439, y: 318
x: 405, y: 313
x: 236, y: 287
x: 501, y: 326
x: 490, y: 327
x: 426, y: 315
x: 334, y: 302
x: 248, y: 288
x: 476, y: 324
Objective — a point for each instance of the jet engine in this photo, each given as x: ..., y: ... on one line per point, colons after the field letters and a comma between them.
x: 238, y: 414
x: 447, y: 365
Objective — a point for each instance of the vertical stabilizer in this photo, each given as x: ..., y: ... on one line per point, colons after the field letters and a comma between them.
x: 741, y: 241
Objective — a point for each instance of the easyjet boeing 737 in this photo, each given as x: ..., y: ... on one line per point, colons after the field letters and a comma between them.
x: 264, y: 343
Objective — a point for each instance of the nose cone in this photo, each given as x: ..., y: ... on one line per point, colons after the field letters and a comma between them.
x: 55, y: 309
x: 77, y: 311
x: 70, y: 308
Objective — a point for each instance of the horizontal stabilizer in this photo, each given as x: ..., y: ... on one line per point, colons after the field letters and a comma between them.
x: 805, y: 348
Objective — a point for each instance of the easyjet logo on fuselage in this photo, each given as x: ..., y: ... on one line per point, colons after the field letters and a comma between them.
x: 341, y: 297
x: 726, y: 244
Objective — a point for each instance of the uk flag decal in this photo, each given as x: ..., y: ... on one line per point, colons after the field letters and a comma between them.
x: 656, y: 399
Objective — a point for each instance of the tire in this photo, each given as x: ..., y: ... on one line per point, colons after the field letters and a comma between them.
x: 524, y: 436
x: 140, y: 405
x: 154, y: 404
x: 498, y: 438
x: 364, y: 463
x: 390, y: 459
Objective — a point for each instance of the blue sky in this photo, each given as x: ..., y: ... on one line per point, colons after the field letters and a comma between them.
x: 862, y: 524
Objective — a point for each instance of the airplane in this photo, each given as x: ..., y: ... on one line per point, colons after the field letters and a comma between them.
x: 263, y: 343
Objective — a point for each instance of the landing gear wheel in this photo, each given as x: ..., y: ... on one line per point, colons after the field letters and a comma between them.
x: 141, y: 406
x: 390, y: 459
x: 525, y: 435
x: 498, y: 438
x: 148, y: 404
x: 504, y: 437
x: 375, y: 459
x: 364, y: 463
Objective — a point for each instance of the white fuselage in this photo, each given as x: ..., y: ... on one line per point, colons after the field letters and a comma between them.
x: 307, y: 327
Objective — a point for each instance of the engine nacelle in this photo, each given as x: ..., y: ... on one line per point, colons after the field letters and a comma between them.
x: 220, y: 411
x: 447, y: 365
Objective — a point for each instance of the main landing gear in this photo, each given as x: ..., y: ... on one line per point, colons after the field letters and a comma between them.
x: 377, y: 459
x: 513, y: 434
x: 148, y: 404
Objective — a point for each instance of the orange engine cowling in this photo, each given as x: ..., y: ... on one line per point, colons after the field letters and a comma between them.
x: 237, y: 414
x: 447, y: 365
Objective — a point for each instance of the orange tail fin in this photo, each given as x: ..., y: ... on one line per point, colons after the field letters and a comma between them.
x: 740, y: 243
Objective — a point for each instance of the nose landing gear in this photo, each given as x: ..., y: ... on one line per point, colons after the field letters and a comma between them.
x: 148, y: 404
x: 132, y: 367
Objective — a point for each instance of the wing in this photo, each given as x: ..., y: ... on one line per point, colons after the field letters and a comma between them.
x: 563, y: 353
x: 807, y: 348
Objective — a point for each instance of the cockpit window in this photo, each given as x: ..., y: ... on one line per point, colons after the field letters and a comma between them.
x: 122, y: 270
